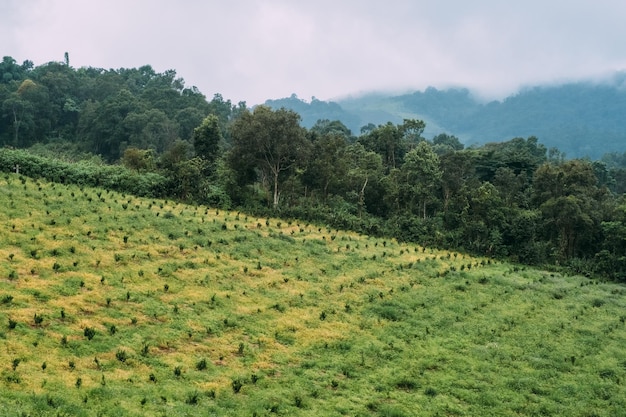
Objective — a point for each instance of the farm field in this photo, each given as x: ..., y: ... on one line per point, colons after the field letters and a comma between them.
x: 113, y: 305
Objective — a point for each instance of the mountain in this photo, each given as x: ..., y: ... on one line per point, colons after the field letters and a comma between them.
x: 316, y: 110
x: 581, y: 119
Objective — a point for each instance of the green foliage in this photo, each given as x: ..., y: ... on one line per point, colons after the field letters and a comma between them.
x: 84, y: 174
x: 206, y: 141
x: 513, y: 199
x: 271, y: 142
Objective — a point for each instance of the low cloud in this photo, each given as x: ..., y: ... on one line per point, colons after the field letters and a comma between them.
x: 251, y: 51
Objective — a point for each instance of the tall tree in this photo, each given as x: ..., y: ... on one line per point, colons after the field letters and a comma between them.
x: 364, y: 168
x: 271, y: 142
x: 327, y: 171
x: 21, y: 107
x: 571, y: 204
x: 422, y: 178
x: 206, y: 141
x: 411, y: 131
x: 385, y: 140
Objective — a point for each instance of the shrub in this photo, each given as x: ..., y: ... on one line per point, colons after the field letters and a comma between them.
x: 598, y: 302
x: 431, y: 392
x: 406, y: 384
x: 236, y: 384
x: 201, y: 365
x: 89, y: 332
x: 121, y: 355
x: 192, y: 398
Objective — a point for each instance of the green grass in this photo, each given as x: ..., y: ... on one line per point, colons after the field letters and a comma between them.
x: 128, y: 306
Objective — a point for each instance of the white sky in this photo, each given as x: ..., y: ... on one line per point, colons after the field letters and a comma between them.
x: 255, y: 50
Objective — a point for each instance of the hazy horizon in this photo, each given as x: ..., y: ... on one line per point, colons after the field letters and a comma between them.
x: 251, y: 51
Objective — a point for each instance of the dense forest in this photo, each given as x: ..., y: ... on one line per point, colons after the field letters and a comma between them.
x: 145, y: 132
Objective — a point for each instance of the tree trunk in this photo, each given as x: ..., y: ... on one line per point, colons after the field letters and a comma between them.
x: 276, y: 193
x: 362, y: 197
x: 16, y: 124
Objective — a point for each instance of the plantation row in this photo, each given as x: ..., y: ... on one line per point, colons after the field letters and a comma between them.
x: 120, y: 305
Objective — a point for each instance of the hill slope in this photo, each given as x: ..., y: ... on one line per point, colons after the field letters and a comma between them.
x: 116, y: 305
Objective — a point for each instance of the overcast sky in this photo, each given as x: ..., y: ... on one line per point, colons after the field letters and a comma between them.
x: 254, y: 50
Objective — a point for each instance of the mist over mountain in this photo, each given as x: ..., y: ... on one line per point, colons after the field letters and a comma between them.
x: 581, y: 119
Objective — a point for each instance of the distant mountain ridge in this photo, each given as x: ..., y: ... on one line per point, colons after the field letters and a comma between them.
x: 581, y: 119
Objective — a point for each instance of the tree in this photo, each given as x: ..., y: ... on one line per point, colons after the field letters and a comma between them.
x: 411, y: 131
x: 183, y: 171
x: 325, y: 127
x: 444, y: 143
x: 484, y: 220
x: 141, y: 160
x: 63, y: 89
x: 206, y: 142
x: 21, y: 107
x: 421, y: 177
x: 364, y: 168
x: 571, y: 204
x: 150, y: 129
x: 272, y: 143
x: 328, y: 169
x: 385, y: 140
x: 518, y: 154
x: 188, y: 119
x: 10, y: 71
x: 611, y: 260
x: 102, y: 124
x: 458, y: 169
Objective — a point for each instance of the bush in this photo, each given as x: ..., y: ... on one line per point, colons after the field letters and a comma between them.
x: 121, y: 355
x: 192, y: 398
x: 201, y: 365
x: 89, y: 332
x: 113, y: 177
x: 237, y: 384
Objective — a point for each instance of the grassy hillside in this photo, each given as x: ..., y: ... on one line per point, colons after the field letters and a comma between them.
x: 113, y: 305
